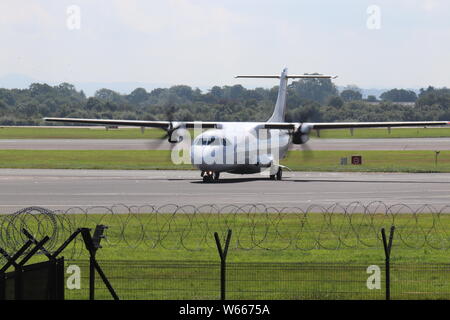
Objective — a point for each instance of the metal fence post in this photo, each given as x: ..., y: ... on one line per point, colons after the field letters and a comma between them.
x: 387, y: 254
x: 91, y: 278
x: 223, y: 261
x: 92, y: 244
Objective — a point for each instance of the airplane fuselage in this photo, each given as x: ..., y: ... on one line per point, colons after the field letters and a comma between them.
x: 239, y: 148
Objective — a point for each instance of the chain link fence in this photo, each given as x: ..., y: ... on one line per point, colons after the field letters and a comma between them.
x: 269, y: 281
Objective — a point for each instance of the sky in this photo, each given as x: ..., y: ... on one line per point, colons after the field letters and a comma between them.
x: 373, y: 44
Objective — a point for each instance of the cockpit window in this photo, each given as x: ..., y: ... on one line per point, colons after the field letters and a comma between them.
x: 212, y: 141
x: 206, y: 141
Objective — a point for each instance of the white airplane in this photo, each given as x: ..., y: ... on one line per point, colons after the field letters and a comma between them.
x: 246, y: 147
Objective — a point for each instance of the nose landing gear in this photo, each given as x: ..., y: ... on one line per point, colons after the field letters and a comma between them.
x: 278, y: 175
x: 210, y: 176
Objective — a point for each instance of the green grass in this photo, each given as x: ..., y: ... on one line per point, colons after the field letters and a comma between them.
x: 371, y: 133
x: 168, y: 256
x: 135, y: 133
x: 257, y: 237
x: 78, y: 133
x: 373, y: 161
x: 88, y: 159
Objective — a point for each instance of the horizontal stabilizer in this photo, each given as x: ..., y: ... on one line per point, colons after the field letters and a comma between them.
x: 260, y: 76
x: 311, y: 76
x: 302, y: 76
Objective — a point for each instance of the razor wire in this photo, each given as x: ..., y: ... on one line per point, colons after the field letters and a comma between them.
x: 255, y: 226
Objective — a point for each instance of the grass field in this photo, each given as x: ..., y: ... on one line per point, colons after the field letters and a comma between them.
x: 135, y: 133
x: 380, y: 161
x: 175, y: 257
x: 257, y: 237
x: 372, y: 133
x: 78, y: 133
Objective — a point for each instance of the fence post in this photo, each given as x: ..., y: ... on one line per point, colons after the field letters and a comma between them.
x: 92, y: 244
x: 223, y: 261
x: 91, y: 278
x: 387, y: 254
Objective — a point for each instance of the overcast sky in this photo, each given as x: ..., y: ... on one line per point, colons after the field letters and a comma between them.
x: 400, y: 43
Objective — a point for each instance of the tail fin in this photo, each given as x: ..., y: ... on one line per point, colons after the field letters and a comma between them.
x: 279, y: 111
x: 280, y: 106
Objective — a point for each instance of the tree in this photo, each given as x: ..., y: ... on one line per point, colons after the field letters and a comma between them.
x: 94, y: 104
x: 318, y: 90
x: 108, y: 95
x: 182, y: 91
x: 351, y: 95
x: 309, y: 112
x: 235, y: 92
x: 336, y: 102
x: 371, y: 98
x: 399, y: 95
x: 66, y: 88
x: 138, y: 95
x: 228, y: 103
x: 158, y: 92
x: 37, y: 89
x: 432, y: 96
x: 7, y: 96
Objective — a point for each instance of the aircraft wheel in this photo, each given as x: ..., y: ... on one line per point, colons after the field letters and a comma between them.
x: 279, y: 174
x: 272, y: 177
x: 210, y: 177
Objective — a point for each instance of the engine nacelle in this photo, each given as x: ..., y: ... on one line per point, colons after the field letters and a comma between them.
x: 176, y: 136
x: 177, y: 140
x: 299, y: 138
x: 301, y: 135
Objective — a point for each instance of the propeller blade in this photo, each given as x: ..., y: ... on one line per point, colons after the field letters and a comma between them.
x: 307, y: 152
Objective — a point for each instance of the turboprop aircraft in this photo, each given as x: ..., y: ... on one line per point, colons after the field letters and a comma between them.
x: 245, y: 147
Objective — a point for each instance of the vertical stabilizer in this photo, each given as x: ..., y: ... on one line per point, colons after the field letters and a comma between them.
x: 280, y: 106
x: 279, y: 111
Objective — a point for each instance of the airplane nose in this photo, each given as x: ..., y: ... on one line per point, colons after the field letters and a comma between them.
x: 206, y: 155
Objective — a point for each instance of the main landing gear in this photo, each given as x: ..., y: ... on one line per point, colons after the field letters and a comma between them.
x: 278, y: 175
x: 210, y: 176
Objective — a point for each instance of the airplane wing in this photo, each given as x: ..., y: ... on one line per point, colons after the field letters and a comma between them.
x: 166, y: 125
x: 349, y: 125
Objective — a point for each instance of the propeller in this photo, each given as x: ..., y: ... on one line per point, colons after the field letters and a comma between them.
x: 170, y: 110
x: 301, y: 137
x: 168, y: 135
x: 307, y: 152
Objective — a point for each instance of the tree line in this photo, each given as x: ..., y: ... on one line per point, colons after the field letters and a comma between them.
x: 307, y: 100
